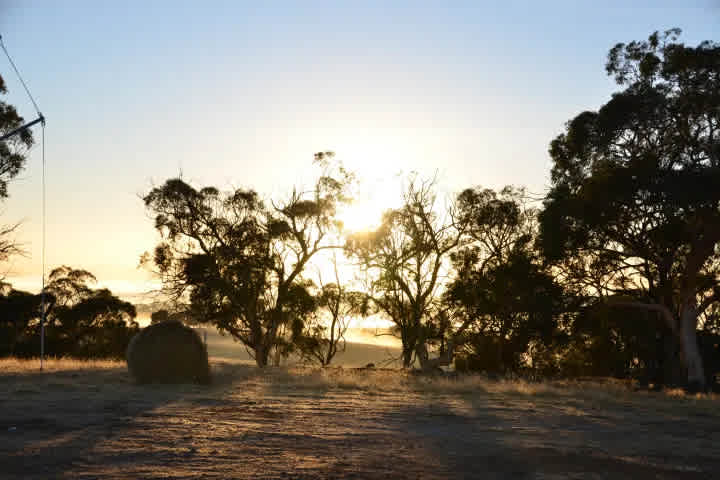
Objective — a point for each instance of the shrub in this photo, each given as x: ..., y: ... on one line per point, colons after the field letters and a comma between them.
x: 168, y: 352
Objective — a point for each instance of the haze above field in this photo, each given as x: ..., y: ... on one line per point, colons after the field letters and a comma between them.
x: 237, y: 94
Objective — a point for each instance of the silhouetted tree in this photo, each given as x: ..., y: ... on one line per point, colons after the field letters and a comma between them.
x: 19, y: 315
x: 239, y: 262
x: 500, y: 289
x: 69, y: 285
x: 323, y: 335
x: 13, y: 155
x: 80, y: 321
x: 635, y: 186
x: 406, y: 260
x: 13, y: 151
x: 86, y: 322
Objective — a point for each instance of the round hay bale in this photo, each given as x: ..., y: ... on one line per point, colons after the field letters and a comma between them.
x: 168, y: 352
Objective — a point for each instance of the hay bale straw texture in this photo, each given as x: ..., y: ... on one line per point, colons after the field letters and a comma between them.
x: 168, y: 352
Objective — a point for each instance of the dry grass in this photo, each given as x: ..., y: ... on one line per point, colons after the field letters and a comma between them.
x: 20, y: 365
x: 391, y: 380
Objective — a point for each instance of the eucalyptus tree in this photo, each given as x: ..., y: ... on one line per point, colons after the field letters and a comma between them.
x: 323, y: 334
x: 406, y: 261
x: 239, y: 261
x: 13, y: 156
x: 86, y: 322
x: 19, y: 313
x: 13, y: 151
x: 81, y: 321
x: 635, y: 186
x: 501, y: 294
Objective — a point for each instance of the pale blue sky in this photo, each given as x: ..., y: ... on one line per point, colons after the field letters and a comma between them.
x: 233, y: 93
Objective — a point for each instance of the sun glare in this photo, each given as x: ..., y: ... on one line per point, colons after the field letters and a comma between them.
x: 365, y: 212
x: 361, y: 216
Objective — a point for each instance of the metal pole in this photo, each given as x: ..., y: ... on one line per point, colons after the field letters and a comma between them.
x: 42, y: 293
x: 42, y: 333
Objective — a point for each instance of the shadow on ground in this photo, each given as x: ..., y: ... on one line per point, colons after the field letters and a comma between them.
x: 311, y: 424
x: 51, y: 422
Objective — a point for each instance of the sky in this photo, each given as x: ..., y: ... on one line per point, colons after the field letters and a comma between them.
x: 243, y: 93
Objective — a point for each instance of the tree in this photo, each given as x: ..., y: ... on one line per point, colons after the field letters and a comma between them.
x: 81, y: 321
x: 406, y: 261
x: 69, y: 286
x: 239, y: 262
x: 634, y: 186
x: 13, y: 155
x: 603, y: 342
x: 323, y: 335
x: 13, y: 151
x: 496, y: 226
x: 19, y: 313
x: 500, y: 291
x: 86, y: 322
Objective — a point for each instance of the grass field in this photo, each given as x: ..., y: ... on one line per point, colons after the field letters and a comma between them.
x: 89, y: 420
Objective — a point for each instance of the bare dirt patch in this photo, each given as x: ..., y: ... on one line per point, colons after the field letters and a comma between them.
x: 90, y: 421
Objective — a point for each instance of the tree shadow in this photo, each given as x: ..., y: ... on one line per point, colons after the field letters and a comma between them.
x: 254, y: 423
x: 526, y: 436
x: 51, y: 421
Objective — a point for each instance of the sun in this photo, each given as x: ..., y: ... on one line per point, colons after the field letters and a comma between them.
x: 361, y: 216
x: 365, y: 212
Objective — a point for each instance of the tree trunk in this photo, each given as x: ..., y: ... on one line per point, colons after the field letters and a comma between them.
x: 689, y: 347
x: 428, y: 364
x: 671, y: 371
x: 408, y: 345
x: 276, y: 357
x: 407, y: 356
x: 261, y: 356
x: 685, y: 334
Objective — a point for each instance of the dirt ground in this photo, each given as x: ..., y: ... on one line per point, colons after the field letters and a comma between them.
x: 90, y: 421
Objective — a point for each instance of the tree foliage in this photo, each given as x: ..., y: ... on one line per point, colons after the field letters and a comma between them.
x: 500, y: 289
x: 80, y: 321
x: 322, y: 335
x: 19, y: 314
x: 238, y: 261
x: 405, y: 260
x: 13, y: 155
x: 634, y: 186
x: 13, y: 151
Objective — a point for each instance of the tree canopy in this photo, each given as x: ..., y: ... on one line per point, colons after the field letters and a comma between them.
x: 13, y: 151
x: 405, y: 260
x: 13, y: 155
x: 80, y: 321
x: 500, y: 289
x: 634, y: 185
x: 239, y: 261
